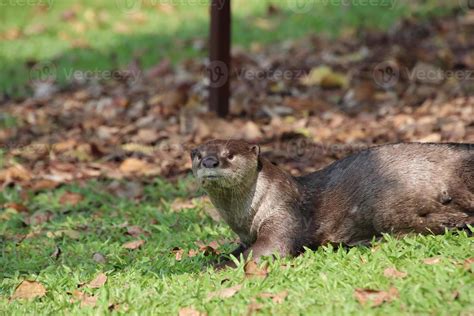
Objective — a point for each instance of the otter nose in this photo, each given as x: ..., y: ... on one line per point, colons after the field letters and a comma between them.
x: 210, y: 162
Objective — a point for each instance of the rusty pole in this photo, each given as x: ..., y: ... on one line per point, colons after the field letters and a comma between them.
x: 219, y: 57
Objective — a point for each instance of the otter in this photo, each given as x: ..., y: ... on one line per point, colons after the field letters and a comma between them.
x: 397, y: 188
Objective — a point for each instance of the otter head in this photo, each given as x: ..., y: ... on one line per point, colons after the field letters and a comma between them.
x: 225, y: 163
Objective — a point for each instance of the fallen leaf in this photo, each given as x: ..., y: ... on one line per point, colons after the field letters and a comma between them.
x: 225, y: 293
x: 135, y: 231
x: 29, y: 289
x: 455, y: 295
x: 254, y: 307
x: 71, y: 233
x: 277, y: 298
x: 98, y: 257
x: 394, y: 273
x: 16, y: 206
x: 180, y: 203
x: 85, y: 299
x: 468, y: 264
x: 178, y: 252
x: 189, y: 311
x: 193, y: 253
x: 56, y: 253
x: 253, y: 271
x: 70, y: 198
x: 128, y: 190
x: 43, y: 184
x: 135, y: 244
x: 38, y: 218
x: 98, y: 282
x: 325, y: 77
x: 133, y: 165
x: 431, y: 261
x: 209, y: 249
x: 118, y: 307
x: 376, y: 297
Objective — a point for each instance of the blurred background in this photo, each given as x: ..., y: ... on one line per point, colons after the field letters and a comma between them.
x: 119, y: 89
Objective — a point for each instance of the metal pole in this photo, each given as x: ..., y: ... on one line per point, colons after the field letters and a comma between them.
x: 219, y: 57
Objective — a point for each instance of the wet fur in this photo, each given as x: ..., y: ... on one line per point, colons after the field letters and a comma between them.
x: 400, y: 188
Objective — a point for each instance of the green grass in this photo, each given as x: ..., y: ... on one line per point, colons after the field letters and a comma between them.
x: 154, y: 32
x: 150, y: 281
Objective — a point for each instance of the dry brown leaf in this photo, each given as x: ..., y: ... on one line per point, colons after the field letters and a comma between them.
x: 71, y: 233
x: 85, y: 299
x: 468, y: 264
x: 70, y: 198
x: 134, y: 165
x: 431, y: 261
x: 394, y: 273
x: 118, y: 307
x: 98, y: 282
x: 43, y: 184
x: 16, y: 206
x: 135, y: 244
x: 189, y: 311
x: 56, y: 253
x: 209, y: 249
x: 28, y: 290
x: 252, y: 270
x: 135, y: 231
x: 98, y: 257
x: 193, y: 253
x: 254, y: 307
x: 375, y: 297
x: 178, y: 252
x: 225, y: 293
x: 277, y: 298
x: 180, y: 203
x: 38, y: 218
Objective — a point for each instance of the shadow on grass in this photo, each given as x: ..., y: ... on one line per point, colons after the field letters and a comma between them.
x: 156, y: 45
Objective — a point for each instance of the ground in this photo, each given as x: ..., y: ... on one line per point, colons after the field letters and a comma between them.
x: 170, y: 271
x: 98, y: 210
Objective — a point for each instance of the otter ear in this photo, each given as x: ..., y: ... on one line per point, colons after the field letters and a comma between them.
x: 255, y: 149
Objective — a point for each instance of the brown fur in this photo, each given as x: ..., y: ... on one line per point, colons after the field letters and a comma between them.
x: 400, y: 188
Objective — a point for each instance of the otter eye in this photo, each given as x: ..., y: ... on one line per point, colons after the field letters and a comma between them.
x: 230, y: 156
x: 195, y: 154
